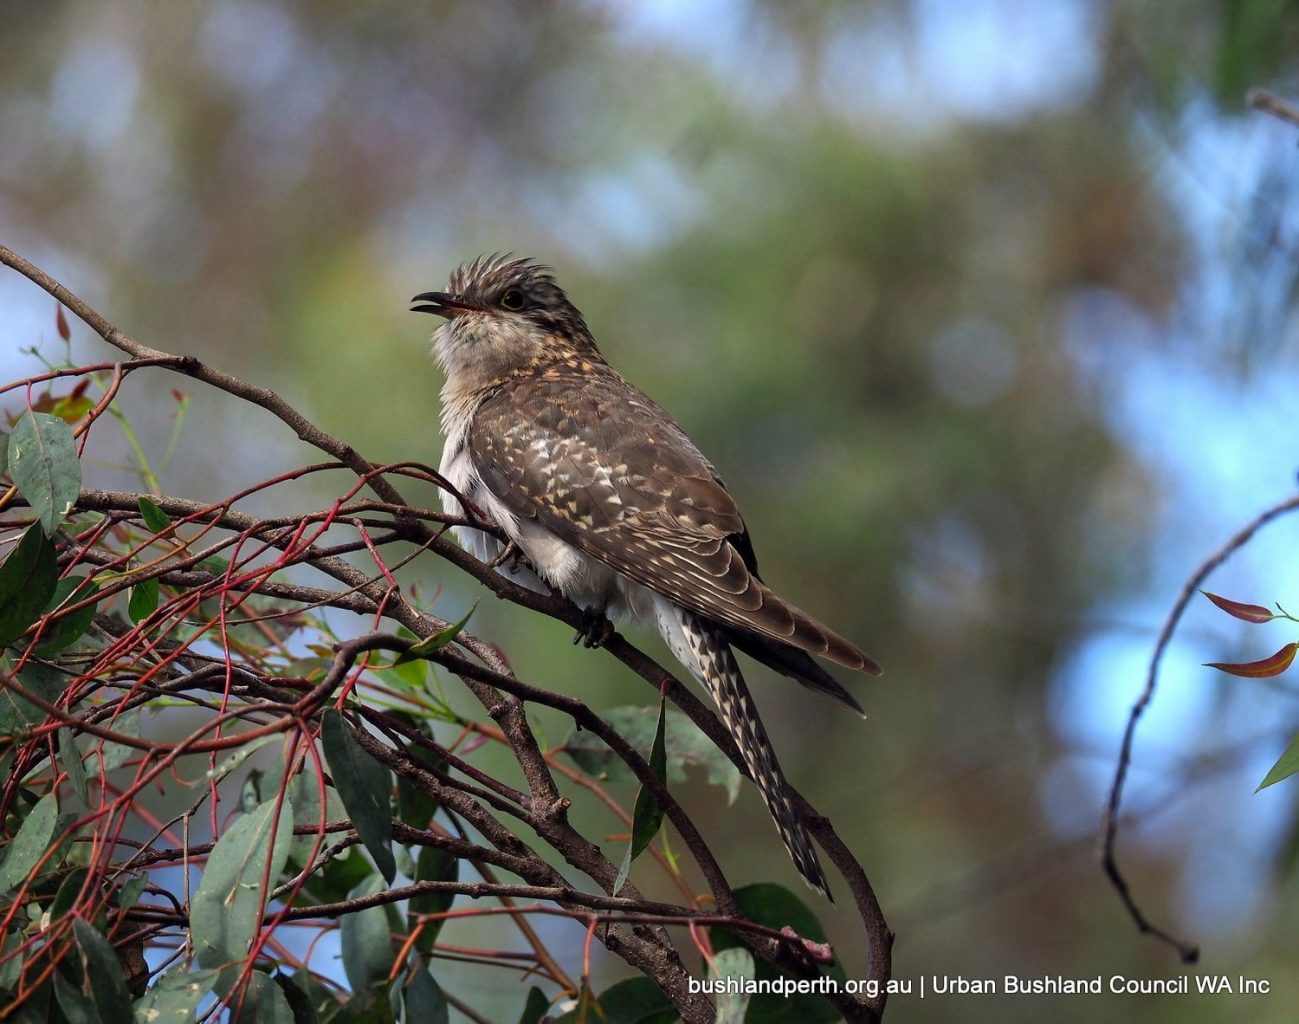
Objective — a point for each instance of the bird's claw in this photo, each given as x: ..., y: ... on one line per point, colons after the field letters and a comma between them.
x: 509, y: 556
x: 595, y: 630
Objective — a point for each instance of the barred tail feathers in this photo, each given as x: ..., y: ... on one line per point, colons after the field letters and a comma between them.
x: 709, y: 657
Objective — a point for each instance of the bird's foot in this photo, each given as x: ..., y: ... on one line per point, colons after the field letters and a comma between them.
x: 509, y: 556
x: 595, y: 630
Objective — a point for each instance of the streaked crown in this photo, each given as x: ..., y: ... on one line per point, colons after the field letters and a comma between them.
x: 503, y: 315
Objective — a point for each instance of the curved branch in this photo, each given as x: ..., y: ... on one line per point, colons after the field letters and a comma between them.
x: 1189, y: 952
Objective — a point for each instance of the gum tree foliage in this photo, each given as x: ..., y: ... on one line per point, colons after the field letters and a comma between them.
x: 208, y: 768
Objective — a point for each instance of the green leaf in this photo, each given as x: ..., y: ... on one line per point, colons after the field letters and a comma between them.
x: 415, y: 806
x: 736, y: 963
x: 17, y: 714
x: 686, y: 747
x: 37, y: 1008
x: 405, y: 862
x: 68, y: 629
x: 535, y: 1006
x: 1287, y: 764
x: 423, y: 1000
x: 436, y: 642
x: 648, y: 816
x: 634, y: 1001
x: 104, y: 978
x: 28, y: 579
x: 144, y: 599
x: 27, y: 848
x: 66, y: 898
x: 587, y: 1010
x: 4, y: 452
x: 339, y: 876
x: 12, y: 968
x: 154, y: 518
x: 366, y: 941
x: 433, y: 865
x: 44, y: 466
x: 299, y: 1000
x: 364, y: 786
x: 70, y: 756
x: 411, y: 675
x: 303, y: 787
x: 77, y: 1007
x: 368, y: 1006
x: 214, y: 564
x: 117, y: 754
x: 775, y: 906
x: 128, y: 895
x: 226, y: 912
x: 304, y: 790
x: 175, y: 996
x: 264, y: 1002
x: 237, y: 757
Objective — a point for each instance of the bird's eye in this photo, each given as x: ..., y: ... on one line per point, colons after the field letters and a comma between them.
x: 513, y: 300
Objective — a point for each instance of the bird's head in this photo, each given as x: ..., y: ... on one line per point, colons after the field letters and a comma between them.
x: 503, y: 315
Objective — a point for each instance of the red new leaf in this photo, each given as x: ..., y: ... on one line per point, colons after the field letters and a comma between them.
x: 1248, y: 612
x: 1272, y: 666
x: 61, y: 324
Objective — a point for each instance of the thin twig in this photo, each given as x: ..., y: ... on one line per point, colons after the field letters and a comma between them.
x: 1189, y: 952
x: 1271, y: 103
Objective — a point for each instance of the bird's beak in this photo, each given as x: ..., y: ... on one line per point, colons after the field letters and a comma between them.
x: 442, y: 304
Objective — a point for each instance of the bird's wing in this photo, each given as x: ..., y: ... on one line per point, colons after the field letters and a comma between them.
x: 605, y: 469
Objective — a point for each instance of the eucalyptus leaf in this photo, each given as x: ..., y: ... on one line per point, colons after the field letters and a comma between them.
x: 69, y: 891
x: 648, y: 816
x: 364, y: 785
x: 143, y: 601
x: 735, y: 964
x: 226, y: 912
x: 366, y: 941
x: 114, y: 755
x: 1287, y: 764
x: 43, y: 464
x: 128, y: 895
x: 685, y: 745
x: 68, y: 628
x: 264, y: 1002
x: 174, y: 997
x: 17, y: 713
x: 433, y: 865
x: 70, y: 757
x: 154, y: 518
x: 103, y: 975
x: 300, y: 991
x: 777, y: 907
x: 424, y: 1001
x: 535, y: 1006
x: 634, y: 1001
x: 437, y: 641
x: 28, y: 578
x: 11, y: 969
x: 77, y: 1006
x: 27, y: 848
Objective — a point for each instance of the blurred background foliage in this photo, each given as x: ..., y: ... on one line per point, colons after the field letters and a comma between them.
x: 985, y: 310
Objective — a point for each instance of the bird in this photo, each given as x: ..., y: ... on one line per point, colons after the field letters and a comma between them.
x: 606, y: 500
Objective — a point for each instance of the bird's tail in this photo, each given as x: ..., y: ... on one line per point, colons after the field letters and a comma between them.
x: 716, y: 668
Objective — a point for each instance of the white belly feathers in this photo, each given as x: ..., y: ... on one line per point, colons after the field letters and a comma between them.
x: 579, y: 577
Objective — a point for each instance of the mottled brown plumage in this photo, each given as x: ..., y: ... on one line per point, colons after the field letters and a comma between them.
x: 623, y: 483
x: 613, y: 505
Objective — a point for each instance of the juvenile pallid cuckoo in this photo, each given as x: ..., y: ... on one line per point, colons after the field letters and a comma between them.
x: 613, y: 505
